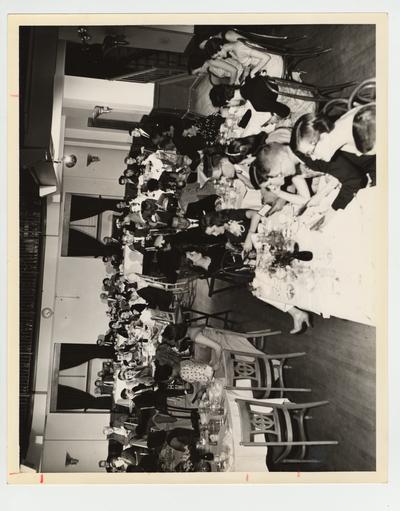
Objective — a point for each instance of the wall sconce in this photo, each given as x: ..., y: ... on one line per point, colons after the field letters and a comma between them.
x: 100, y: 110
x: 69, y: 460
x: 47, y: 312
x: 91, y: 159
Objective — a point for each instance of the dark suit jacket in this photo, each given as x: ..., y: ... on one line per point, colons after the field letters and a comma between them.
x: 349, y: 169
x: 261, y: 97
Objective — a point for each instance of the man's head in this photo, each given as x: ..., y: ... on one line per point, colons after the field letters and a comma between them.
x: 272, y: 160
x: 309, y: 134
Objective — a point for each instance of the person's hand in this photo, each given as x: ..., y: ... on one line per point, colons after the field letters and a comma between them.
x: 262, y: 61
x: 277, y: 181
x: 159, y: 241
x: 247, y: 245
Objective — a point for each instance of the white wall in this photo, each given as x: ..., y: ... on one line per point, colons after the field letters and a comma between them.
x: 76, y: 426
x: 100, y: 178
x: 88, y: 452
x: 122, y: 96
x: 161, y: 37
x: 80, y: 315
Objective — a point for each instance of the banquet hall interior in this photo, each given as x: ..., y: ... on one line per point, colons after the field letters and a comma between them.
x: 181, y: 291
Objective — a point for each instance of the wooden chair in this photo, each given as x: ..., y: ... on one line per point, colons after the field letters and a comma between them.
x: 363, y: 94
x: 335, y: 108
x: 257, y: 338
x: 194, y: 316
x: 233, y: 272
x: 265, y: 372
x: 307, y: 92
x: 282, y: 426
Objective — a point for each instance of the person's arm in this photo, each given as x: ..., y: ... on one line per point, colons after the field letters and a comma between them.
x: 245, y: 180
x: 202, y: 340
x: 255, y: 220
x: 221, y: 69
x: 262, y: 59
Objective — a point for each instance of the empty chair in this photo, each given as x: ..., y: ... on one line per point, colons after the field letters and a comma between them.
x: 194, y: 316
x: 264, y: 372
x: 364, y: 93
x: 280, y: 426
x: 318, y: 94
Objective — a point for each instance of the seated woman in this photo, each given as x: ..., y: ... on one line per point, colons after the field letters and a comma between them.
x: 237, y: 225
x: 264, y: 57
x: 207, y: 261
x: 190, y: 370
x: 221, y: 70
x: 354, y: 132
x: 256, y: 91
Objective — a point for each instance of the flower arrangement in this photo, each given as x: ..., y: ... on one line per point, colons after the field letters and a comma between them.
x: 236, y: 228
x: 278, y: 253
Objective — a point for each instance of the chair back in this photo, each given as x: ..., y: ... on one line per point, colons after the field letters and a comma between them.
x: 260, y: 418
x: 250, y: 366
x: 363, y: 94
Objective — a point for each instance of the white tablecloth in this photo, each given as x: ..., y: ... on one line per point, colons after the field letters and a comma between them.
x: 133, y: 261
x: 340, y: 279
x: 242, y: 459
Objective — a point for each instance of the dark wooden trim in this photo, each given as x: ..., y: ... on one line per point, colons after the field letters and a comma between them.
x: 55, y: 377
x: 66, y: 222
x: 112, y: 124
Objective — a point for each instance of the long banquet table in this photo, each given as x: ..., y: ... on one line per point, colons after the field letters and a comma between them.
x: 240, y: 458
x: 340, y: 279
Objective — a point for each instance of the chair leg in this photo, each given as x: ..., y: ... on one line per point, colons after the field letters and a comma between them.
x: 211, y: 286
x: 329, y: 89
x: 284, y: 356
x: 300, y: 406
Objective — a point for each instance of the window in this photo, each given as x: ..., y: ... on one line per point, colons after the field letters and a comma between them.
x: 87, y: 220
x: 76, y: 369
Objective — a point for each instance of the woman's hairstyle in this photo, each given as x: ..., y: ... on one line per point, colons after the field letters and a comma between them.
x: 364, y: 128
x: 124, y: 394
x: 175, y: 332
x: 149, y: 207
x: 221, y: 94
x: 212, y: 46
x: 240, y: 148
x: 307, y: 126
x: 152, y: 185
x: 217, y: 218
x: 196, y: 59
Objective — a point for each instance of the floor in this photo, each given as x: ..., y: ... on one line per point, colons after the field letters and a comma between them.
x: 339, y: 365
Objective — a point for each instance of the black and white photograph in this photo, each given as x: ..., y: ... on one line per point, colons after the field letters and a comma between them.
x: 201, y: 247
